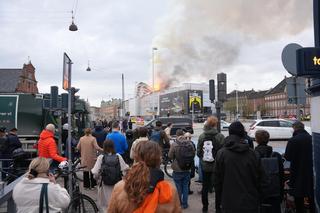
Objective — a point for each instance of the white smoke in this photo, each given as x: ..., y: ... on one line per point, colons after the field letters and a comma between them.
x: 199, y: 38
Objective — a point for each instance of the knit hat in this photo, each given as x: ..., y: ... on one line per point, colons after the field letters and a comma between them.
x: 236, y: 128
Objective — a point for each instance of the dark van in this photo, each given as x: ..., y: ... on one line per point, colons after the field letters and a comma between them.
x: 178, y: 123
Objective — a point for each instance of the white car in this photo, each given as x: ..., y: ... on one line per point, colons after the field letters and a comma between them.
x: 277, y: 128
x: 224, y: 125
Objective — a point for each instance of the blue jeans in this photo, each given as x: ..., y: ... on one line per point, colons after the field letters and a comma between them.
x: 181, y: 180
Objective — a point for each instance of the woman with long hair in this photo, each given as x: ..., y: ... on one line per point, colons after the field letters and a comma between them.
x: 111, y: 163
x: 26, y: 194
x: 143, y: 189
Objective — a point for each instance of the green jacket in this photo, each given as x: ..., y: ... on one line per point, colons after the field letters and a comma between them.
x: 209, y: 132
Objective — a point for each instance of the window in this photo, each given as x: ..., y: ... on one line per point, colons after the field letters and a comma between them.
x: 269, y: 123
x: 285, y: 124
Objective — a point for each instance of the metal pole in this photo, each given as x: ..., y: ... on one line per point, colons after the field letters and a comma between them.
x: 122, y: 105
x: 218, y: 111
x: 153, y: 102
x: 237, y: 103
x: 69, y: 132
x: 192, y: 110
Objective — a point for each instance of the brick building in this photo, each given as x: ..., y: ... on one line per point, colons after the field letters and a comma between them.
x: 19, y: 80
x: 276, y: 102
x: 110, y: 109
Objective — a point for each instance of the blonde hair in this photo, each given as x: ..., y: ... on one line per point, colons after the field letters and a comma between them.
x: 39, y: 165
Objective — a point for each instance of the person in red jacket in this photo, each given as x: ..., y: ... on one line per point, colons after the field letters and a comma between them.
x: 47, y: 146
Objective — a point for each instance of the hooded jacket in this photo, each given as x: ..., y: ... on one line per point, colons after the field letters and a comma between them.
x: 163, y: 199
x: 238, y: 177
x: 209, y: 132
x: 47, y: 147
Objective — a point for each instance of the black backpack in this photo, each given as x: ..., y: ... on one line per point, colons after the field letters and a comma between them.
x: 110, y: 170
x: 185, y: 154
x: 271, y: 168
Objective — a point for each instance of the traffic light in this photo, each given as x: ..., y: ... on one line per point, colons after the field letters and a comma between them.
x: 212, y: 92
x: 64, y: 101
x: 54, y: 93
x: 74, y: 98
x: 222, y: 87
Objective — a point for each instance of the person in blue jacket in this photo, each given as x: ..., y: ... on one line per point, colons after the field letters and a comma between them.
x: 118, y: 139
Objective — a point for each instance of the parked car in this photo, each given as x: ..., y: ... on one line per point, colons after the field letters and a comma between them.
x: 178, y: 123
x: 278, y: 129
x: 224, y: 125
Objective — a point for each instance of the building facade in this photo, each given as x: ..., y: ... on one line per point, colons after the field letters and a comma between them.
x: 19, y: 80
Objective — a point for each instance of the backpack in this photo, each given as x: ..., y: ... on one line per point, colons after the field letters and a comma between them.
x: 155, y: 136
x: 271, y: 168
x: 110, y: 170
x: 185, y: 154
x: 209, y: 149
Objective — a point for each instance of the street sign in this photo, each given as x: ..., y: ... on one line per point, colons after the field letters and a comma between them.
x: 308, y: 62
x: 289, y: 57
x: 66, y: 72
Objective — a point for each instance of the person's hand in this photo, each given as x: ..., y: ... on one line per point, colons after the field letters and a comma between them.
x: 52, y: 178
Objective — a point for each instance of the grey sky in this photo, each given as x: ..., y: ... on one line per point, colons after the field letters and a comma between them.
x: 117, y: 36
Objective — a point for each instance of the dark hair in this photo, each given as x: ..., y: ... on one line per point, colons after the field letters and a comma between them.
x: 236, y: 128
x: 108, y: 146
x: 262, y: 137
x: 169, y: 124
x: 115, y: 125
x: 179, y: 132
x: 158, y: 123
x: 143, y: 132
x: 298, y: 125
x: 148, y: 156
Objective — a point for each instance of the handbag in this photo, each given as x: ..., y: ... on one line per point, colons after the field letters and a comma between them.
x: 44, y: 197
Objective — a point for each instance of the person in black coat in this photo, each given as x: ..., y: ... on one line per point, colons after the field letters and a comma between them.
x: 13, y: 141
x: 262, y: 150
x: 238, y: 174
x: 299, y: 153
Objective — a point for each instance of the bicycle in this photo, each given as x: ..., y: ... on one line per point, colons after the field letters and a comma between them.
x: 80, y: 203
x: 167, y: 162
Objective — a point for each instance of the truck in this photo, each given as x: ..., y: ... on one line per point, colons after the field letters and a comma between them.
x: 29, y: 113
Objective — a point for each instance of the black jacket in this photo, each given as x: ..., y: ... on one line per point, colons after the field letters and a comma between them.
x: 238, y: 177
x: 13, y: 143
x: 299, y: 153
x: 264, y: 151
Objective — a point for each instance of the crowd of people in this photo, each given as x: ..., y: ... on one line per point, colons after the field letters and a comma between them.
x: 125, y: 168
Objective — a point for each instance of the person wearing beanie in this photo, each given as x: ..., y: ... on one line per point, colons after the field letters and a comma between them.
x: 238, y: 174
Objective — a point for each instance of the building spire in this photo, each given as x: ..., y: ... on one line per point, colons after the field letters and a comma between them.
x: 29, y: 60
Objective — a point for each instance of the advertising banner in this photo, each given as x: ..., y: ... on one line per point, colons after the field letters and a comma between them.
x: 8, y: 111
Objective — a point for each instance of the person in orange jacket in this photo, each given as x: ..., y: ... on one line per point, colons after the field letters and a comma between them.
x: 47, y: 146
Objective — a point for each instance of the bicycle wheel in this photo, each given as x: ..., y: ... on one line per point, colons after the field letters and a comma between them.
x: 82, y: 204
x: 167, y: 168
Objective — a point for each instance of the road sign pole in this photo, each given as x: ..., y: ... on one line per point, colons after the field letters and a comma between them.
x: 69, y: 132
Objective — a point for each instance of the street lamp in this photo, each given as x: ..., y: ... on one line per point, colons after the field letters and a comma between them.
x: 73, y: 27
x: 88, y: 69
x: 237, y: 101
x: 153, y: 90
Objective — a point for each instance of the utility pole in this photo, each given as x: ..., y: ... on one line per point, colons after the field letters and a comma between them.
x: 69, y: 130
x: 153, y: 89
x: 237, y: 103
x: 122, y: 103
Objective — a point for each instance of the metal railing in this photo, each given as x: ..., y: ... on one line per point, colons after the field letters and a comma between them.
x: 6, y: 197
